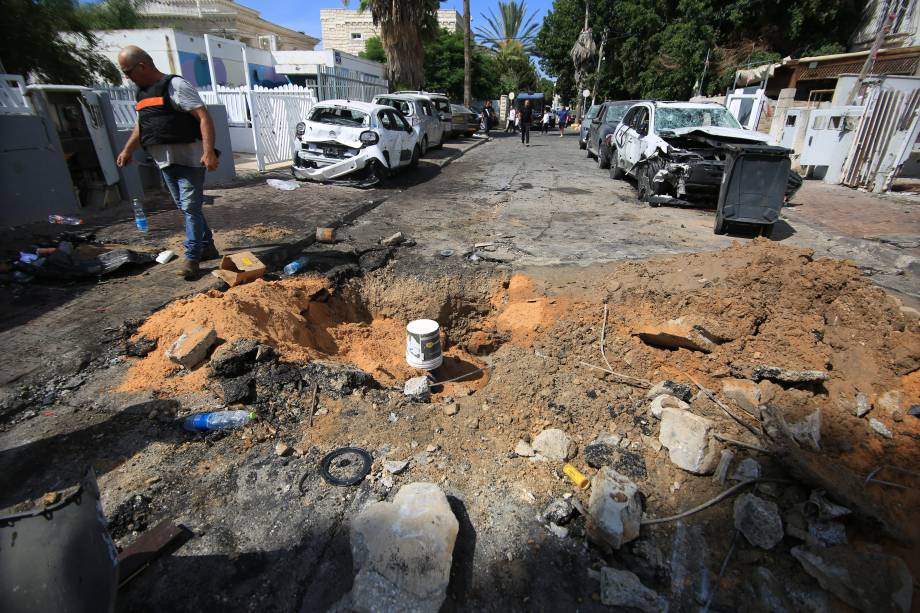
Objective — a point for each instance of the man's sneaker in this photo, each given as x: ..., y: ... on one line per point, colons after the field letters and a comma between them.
x: 210, y: 253
x: 190, y: 270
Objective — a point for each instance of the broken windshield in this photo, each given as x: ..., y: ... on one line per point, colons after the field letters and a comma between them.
x: 672, y: 118
x: 339, y: 116
x: 615, y: 113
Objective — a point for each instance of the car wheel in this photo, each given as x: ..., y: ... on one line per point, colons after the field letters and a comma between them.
x: 583, y: 144
x: 413, y: 163
x: 644, y: 178
x: 603, y: 157
x: 377, y: 170
x: 719, y: 226
x: 615, y: 171
x: 424, y: 145
x: 588, y: 153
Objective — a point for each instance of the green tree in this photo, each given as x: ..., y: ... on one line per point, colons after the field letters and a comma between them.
x: 51, y: 41
x: 515, y: 72
x: 110, y: 14
x: 511, y: 28
x: 444, y: 67
x: 373, y: 50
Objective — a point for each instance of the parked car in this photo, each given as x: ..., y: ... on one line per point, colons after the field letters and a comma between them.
x: 442, y: 106
x: 677, y: 151
x: 422, y: 115
x: 585, y: 124
x: 603, y: 123
x: 354, y: 140
x: 465, y: 121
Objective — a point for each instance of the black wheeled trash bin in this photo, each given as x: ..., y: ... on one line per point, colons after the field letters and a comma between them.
x: 753, y: 187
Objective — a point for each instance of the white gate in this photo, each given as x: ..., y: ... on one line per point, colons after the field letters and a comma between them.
x: 276, y: 113
x: 746, y: 107
x: 829, y: 137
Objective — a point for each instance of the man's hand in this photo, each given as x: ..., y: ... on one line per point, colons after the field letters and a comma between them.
x: 209, y: 159
x: 124, y: 158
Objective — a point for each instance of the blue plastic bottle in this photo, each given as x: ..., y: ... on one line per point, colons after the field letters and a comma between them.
x: 296, y: 265
x: 140, y: 217
x: 217, y: 420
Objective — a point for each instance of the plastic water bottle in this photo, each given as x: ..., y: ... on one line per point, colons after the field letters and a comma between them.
x: 65, y: 220
x: 140, y: 218
x: 217, y: 420
x: 296, y: 265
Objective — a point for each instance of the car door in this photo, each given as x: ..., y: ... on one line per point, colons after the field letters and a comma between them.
x: 638, y: 141
x: 432, y: 122
x: 390, y: 139
x: 595, y: 129
x: 624, y: 136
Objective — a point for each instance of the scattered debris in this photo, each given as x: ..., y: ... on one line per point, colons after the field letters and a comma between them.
x: 580, y: 481
x: 282, y: 449
x: 191, y: 348
x: 140, y: 347
x: 758, y: 520
x: 523, y: 449
x: 602, y: 450
x: 284, y: 185
x: 808, y: 431
x: 889, y: 404
x: 51, y: 498
x: 725, y: 462
x: 679, y: 334
x: 862, y: 405
x: 393, y: 240
x: 353, y: 460
x: 614, y: 509
x: 870, y: 581
x: 746, y: 394
x: 666, y: 401
x: 678, y: 390
x: 880, y: 427
x: 914, y: 411
x: 782, y: 375
x: 402, y: 552
x: 747, y: 469
x: 621, y: 588
x: 560, y: 512
x: 240, y: 268
x: 238, y: 357
x: 131, y: 516
x: 417, y: 388
x: 553, y: 444
x: 689, y: 441
x: 394, y: 467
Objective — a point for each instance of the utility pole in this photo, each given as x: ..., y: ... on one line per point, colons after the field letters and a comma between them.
x: 467, y: 60
x: 699, y: 86
x: 884, y: 27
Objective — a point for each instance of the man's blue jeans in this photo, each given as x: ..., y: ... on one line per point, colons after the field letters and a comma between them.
x: 186, y: 185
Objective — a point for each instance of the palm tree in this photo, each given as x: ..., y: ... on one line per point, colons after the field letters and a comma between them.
x: 510, y: 28
x: 404, y: 25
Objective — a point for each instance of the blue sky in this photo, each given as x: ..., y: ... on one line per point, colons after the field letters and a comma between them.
x: 304, y: 16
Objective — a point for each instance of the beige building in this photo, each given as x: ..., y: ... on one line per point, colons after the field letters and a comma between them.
x: 348, y: 30
x: 224, y: 18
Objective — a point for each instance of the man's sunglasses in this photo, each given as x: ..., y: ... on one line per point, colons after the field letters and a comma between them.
x: 127, y: 72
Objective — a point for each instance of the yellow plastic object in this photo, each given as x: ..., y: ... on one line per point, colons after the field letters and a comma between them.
x: 575, y: 475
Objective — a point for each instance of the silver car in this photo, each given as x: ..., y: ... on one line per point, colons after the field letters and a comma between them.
x: 443, y: 107
x: 422, y: 115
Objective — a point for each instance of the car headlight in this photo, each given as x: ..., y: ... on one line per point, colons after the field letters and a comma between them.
x: 369, y: 138
x: 300, y: 128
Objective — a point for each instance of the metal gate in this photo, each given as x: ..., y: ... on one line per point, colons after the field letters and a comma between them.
x: 884, y: 139
x: 828, y: 138
x: 746, y: 107
x: 275, y: 115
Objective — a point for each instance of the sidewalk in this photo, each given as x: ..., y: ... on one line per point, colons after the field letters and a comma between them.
x: 47, y: 325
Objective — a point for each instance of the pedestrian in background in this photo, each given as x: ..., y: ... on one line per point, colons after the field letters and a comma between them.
x: 174, y: 128
x: 511, y: 126
x: 547, y: 114
x: 563, y: 116
x: 525, y: 117
x: 488, y: 117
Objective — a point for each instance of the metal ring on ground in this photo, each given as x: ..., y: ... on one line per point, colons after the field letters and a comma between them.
x: 358, y: 478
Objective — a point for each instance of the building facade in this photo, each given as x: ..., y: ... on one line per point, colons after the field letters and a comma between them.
x: 348, y: 30
x: 224, y: 18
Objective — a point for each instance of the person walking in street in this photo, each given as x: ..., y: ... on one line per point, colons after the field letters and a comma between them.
x: 563, y: 118
x: 525, y: 117
x: 174, y: 128
x: 488, y: 117
x: 511, y: 126
x: 545, y: 123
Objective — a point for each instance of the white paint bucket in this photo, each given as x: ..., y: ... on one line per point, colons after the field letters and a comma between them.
x: 423, y: 344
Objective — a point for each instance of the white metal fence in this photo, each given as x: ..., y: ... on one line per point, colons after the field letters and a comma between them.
x: 335, y: 84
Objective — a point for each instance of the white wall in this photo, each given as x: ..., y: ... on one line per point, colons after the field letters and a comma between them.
x: 303, y: 62
x: 899, y: 82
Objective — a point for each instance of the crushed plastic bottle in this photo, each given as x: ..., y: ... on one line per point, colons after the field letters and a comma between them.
x: 65, y: 220
x: 296, y: 265
x: 217, y: 420
x: 140, y: 217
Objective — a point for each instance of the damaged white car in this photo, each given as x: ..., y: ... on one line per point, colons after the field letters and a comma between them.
x: 353, y: 141
x: 678, y: 152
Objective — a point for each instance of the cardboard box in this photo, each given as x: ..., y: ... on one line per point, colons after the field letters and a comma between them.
x: 240, y: 268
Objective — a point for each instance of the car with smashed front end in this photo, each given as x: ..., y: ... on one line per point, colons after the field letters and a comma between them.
x: 678, y: 151
x: 355, y: 141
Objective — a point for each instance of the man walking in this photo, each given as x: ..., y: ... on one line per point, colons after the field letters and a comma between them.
x: 175, y: 129
x: 526, y: 116
x: 511, y: 126
x: 488, y: 117
x: 563, y: 118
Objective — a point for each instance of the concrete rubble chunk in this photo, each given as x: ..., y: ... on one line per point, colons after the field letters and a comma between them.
x: 746, y: 394
x: 678, y: 390
x: 775, y: 373
x: 666, y: 401
x: 282, y: 449
x: 417, y: 388
x: 870, y: 581
x: 827, y: 533
x: 402, y: 551
x: 747, y: 469
x: 393, y: 239
x: 235, y: 358
x: 679, y: 333
x: 862, y: 405
x: 602, y: 450
x: 689, y: 441
x: 725, y: 462
x: 621, y: 588
x: 880, y: 427
x: 889, y: 404
x: 553, y: 444
x: 523, y: 449
x: 614, y: 509
x: 808, y: 431
x: 191, y: 348
x: 560, y: 512
x: 758, y: 520
x: 394, y: 467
